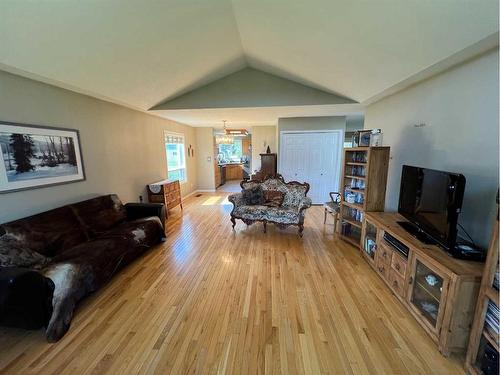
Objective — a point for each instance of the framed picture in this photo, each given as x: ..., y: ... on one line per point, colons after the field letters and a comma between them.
x: 34, y: 156
x: 364, y: 138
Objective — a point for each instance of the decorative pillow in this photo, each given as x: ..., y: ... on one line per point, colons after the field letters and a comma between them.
x: 253, y: 196
x: 274, y: 198
x: 15, y: 253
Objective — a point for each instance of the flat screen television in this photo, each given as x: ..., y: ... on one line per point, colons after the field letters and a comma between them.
x: 431, y: 201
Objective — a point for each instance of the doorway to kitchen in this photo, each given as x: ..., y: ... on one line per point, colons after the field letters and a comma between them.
x: 233, y: 159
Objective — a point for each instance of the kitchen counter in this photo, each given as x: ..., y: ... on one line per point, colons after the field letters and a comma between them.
x: 235, y: 163
x: 235, y: 171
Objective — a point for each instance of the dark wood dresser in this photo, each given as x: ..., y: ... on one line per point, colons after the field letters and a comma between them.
x: 268, y: 166
x: 167, y: 192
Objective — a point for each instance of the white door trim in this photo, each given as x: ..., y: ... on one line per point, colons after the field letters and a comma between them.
x: 340, y: 132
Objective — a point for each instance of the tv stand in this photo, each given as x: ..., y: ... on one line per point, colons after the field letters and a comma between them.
x: 416, y: 232
x: 438, y: 290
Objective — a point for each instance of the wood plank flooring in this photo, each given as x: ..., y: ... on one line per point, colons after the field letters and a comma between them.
x: 214, y: 301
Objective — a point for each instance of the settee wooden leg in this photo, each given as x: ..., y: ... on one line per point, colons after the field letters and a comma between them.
x: 233, y: 221
x: 301, y: 229
x: 265, y: 227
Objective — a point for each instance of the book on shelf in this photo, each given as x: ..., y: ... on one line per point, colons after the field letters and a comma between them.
x: 496, y: 279
x: 492, y: 319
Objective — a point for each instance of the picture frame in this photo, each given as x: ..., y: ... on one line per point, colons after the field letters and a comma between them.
x: 37, y: 156
x: 364, y: 138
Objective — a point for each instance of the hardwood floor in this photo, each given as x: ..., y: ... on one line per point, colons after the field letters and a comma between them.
x: 231, y: 186
x: 211, y: 300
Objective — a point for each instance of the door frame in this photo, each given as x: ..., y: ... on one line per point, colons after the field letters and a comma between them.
x: 340, y: 132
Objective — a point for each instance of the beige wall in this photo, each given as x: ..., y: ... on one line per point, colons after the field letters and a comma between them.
x: 353, y: 123
x: 262, y: 136
x: 260, y: 90
x: 204, y: 154
x: 311, y: 123
x: 460, y: 111
x: 122, y: 149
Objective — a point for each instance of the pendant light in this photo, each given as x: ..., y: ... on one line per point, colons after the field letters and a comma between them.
x: 225, y: 138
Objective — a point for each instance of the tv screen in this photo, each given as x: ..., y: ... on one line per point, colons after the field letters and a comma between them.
x: 432, y: 200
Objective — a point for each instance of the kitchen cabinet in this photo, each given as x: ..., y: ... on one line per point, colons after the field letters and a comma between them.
x: 234, y: 172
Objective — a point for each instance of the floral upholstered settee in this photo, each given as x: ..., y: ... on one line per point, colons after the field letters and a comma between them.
x: 290, y: 212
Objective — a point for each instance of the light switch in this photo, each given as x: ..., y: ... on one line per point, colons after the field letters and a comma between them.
x: 209, y: 158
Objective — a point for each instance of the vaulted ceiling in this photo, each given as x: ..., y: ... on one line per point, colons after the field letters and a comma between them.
x: 142, y: 53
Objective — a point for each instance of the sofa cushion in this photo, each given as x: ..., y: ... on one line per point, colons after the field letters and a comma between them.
x: 48, y: 233
x: 15, y: 253
x: 294, y: 195
x: 253, y: 195
x: 142, y: 232
x: 115, y: 248
x: 99, y: 214
x: 274, y: 198
x: 283, y: 214
x: 104, y: 256
x: 255, y: 212
x: 293, y: 192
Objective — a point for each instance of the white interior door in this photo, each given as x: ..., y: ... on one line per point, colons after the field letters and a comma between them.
x: 312, y: 157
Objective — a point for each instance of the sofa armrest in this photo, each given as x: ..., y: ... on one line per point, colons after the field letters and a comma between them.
x: 306, y: 202
x: 236, y: 199
x: 142, y: 210
x: 25, y: 298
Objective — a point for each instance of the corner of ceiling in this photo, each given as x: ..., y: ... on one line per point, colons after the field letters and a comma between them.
x: 475, y: 50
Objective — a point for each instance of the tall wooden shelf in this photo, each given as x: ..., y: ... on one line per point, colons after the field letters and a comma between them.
x: 364, y: 175
x: 480, y: 337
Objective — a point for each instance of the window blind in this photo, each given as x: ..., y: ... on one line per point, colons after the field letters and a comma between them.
x: 173, y: 138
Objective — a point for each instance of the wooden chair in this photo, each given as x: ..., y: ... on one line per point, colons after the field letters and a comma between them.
x: 333, y: 207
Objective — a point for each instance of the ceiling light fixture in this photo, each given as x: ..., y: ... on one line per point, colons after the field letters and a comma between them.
x: 237, y: 132
x: 225, y: 138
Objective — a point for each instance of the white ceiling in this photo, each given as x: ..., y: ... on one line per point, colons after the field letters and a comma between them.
x: 141, y: 53
x: 359, y: 48
x: 132, y: 52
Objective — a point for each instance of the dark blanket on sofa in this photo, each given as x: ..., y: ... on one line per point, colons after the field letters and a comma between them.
x: 87, y: 243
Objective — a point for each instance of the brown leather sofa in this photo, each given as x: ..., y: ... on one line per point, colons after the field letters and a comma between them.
x: 84, y: 245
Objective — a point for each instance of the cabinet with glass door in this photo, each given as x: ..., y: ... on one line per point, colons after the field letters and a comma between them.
x: 427, y: 293
x: 369, y: 240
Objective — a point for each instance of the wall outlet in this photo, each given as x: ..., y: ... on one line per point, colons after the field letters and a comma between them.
x: 140, y: 198
x: 209, y: 158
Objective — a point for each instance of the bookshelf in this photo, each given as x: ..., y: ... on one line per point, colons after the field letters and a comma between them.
x: 483, y: 337
x: 364, y: 179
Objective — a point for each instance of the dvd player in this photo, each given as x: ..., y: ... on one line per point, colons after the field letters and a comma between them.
x: 398, y: 245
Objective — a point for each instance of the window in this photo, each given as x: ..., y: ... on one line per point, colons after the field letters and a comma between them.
x: 231, y: 152
x: 176, y: 157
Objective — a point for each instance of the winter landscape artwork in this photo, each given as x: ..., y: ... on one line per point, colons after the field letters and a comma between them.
x: 36, y: 156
